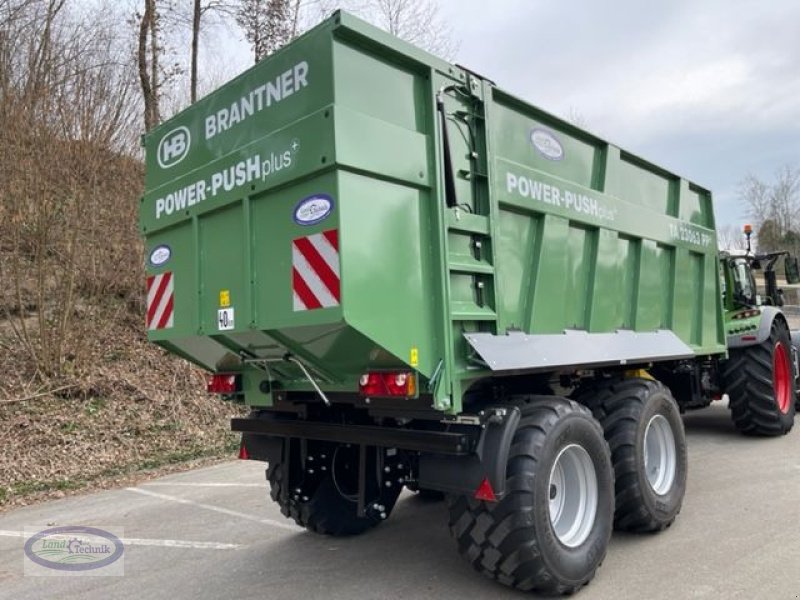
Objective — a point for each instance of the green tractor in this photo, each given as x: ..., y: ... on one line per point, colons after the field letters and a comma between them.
x: 763, y: 351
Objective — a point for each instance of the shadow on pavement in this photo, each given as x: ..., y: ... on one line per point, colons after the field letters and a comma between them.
x: 415, y: 539
x: 716, y: 419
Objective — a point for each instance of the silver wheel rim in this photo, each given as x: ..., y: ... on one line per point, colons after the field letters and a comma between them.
x: 660, y: 455
x: 573, y: 495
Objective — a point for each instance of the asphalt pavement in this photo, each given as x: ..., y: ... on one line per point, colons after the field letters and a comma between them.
x: 212, y: 533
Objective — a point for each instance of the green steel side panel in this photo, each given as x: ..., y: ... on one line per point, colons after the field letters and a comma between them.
x: 387, y: 269
x: 623, y: 244
x: 653, y: 308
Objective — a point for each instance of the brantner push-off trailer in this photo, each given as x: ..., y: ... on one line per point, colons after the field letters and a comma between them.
x: 416, y: 279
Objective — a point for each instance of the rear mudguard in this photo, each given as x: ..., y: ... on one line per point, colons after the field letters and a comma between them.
x: 463, y: 475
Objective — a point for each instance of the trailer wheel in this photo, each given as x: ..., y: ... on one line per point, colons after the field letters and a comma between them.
x: 324, y: 497
x: 643, y: 426
x: 760, y: 385
x: 550, y: 531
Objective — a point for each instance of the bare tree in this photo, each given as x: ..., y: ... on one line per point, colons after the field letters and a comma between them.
x: 774, y: 206
x: 730, y: 238
x: 197, y: 14
x: 66, y: 122
x: 200, y: 11
x: 148, y: 67
x: 416, y: 21
x: 577, y: 118
x: 267, y: 24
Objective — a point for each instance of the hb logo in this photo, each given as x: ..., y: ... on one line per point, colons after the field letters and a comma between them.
x: 173, y: 147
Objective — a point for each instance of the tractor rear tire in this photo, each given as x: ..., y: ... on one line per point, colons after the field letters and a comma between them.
x: 325, y: 500
x: 643, y: 426
x: 550, y: 531
x: 759, y: 382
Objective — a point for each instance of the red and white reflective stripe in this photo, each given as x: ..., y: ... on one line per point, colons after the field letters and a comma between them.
x: 315, y: 271
x: 160, y: 299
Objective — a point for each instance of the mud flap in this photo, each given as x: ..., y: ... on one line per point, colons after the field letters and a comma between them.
x: 464, y: 475
x: 262, y: 447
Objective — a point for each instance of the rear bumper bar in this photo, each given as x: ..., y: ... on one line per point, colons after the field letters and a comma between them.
x: 436, y: 442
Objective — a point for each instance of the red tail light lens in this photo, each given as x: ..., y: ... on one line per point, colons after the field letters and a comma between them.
x: 388, y: 384
x: 243, y: 453
x: 222, y: 383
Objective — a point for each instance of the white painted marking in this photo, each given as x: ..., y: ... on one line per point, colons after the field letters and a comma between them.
x: 149, y: 542
x: 186, y: 484
x: 180, y: 544
x: 162, y: 306
x: 326, y: 250
x: 312, y: 280
x: 219, y: 509
x: 151, y: 293
x: 298, y: 303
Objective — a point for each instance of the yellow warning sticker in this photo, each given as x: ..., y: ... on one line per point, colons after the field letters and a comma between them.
x: 224, y: 298
x: 414, y: 358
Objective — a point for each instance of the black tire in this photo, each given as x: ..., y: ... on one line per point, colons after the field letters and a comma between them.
x: 625, y: 409
x: 749, y: 376
x: 325, y: 501
x: 513, y: 541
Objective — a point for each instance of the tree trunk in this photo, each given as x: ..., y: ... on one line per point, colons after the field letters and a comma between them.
x: 154, y: 52
x: 195, y: 42
x: 144, y: 76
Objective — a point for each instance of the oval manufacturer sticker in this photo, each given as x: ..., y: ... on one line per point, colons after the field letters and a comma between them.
x: 313, y: 210
x: 160, y: 255
x: 547, y: 144
x: 74, y: 548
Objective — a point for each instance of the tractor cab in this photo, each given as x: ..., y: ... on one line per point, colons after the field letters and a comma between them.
x: 739, y: 282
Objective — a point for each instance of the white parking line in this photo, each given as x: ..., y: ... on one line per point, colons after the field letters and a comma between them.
x: 219, y: 509
x: 149, y: 542
x: 185, y: 484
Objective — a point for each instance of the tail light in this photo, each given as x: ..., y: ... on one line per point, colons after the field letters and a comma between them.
x: 243, y: 453
x: 388, y: 384
x: 223, y: 383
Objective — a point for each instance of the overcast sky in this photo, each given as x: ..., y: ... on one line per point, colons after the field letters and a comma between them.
x: 707, y: 88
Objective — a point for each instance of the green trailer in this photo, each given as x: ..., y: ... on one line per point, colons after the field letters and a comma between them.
x: 417, y: 280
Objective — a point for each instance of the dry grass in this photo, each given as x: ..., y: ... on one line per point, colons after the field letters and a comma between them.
x: 84, y: 400
x: 139, y: 410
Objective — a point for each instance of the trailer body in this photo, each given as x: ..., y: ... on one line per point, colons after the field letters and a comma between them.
x: 314, y: 206
x: 415, y: 279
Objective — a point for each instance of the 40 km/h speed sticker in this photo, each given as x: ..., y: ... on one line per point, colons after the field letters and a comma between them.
x: 225, y: 319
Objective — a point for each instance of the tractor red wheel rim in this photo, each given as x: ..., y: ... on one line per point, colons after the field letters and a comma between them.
x: 781, y: 378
